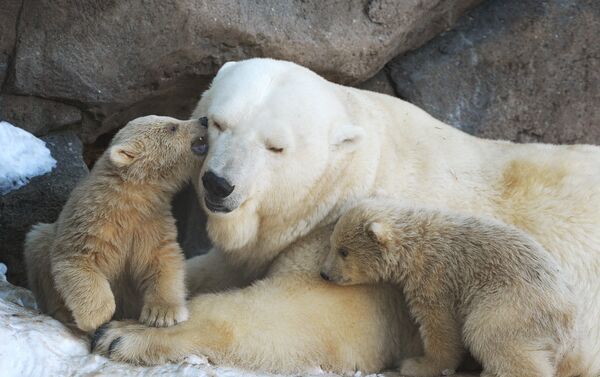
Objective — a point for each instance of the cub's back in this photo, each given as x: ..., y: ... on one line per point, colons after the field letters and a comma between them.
x: 472, y: 255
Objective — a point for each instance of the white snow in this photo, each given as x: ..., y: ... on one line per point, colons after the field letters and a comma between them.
x: 22, y: 157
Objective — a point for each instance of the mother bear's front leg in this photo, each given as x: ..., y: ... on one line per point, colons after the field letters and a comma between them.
x: 279, y: 324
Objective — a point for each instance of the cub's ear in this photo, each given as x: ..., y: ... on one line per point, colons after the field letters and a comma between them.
x: 123, y: 154
x: 347, y: 133
x: 379, y: 233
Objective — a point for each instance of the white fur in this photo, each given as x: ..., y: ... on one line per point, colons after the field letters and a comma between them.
x: 285, y: 203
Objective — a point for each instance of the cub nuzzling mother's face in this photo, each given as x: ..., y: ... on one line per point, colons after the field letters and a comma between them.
x: 158, y: 149
x: 275, y: 132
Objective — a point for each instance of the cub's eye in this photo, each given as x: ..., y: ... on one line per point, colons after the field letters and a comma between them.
x: 275, y: 149
x: 218, y: 126
x: 343, y: 252
x: 173, y: 127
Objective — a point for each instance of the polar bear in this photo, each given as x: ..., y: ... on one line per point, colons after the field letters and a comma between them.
x: 469, y: 282
x: 289, y: 153
x: 114, y: 243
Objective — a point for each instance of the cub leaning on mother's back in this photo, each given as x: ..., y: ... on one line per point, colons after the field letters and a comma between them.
x: 115, y: 239
x: 465, y: 279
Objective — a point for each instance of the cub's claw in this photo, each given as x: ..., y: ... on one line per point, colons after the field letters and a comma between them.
x: 163, y: 315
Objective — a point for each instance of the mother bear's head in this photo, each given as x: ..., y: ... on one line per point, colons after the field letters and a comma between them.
x: 281, y: 142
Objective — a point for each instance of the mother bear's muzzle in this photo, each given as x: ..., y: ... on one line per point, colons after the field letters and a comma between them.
x: 216, y: 188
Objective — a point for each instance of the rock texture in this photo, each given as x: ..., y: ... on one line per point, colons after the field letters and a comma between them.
x: 39, y: 201
x: 9, y: 15
x: 380, y: 83
x: 118, y: 60
x: 524, y: 70
x: 37, y: 115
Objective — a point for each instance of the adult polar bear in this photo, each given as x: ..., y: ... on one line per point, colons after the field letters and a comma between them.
x: 289, y: 153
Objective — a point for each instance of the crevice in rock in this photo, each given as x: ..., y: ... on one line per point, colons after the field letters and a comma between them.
x: 92, y: 151
x: 11, y: 58
x: 393, y: 85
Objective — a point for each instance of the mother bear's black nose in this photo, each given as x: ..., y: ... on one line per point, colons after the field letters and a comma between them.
x: 325, y: 276
x: 216, y: 186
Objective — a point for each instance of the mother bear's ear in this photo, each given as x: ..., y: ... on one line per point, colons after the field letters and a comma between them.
x: 346, y: 134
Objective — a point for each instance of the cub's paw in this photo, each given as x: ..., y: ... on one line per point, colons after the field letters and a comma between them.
x: 424, y: 367
x: 96, y: 313
x: 132, y: 342
x: 163, y: 315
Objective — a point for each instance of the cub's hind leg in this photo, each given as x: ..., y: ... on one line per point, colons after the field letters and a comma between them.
x: 502, y: 346
x: 38, y: 243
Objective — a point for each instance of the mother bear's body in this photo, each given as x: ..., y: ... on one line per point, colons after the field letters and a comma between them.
x: 299, y: 151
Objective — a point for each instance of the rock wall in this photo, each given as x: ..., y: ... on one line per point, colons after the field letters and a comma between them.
x: 524, y: 70
x: 116, y: 60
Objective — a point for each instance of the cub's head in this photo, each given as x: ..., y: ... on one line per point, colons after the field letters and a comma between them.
x: 280, y: 139
x: 158, y: 149
x: 361, y: 248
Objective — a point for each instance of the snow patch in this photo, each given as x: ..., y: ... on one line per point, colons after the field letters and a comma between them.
x: 22, y: 157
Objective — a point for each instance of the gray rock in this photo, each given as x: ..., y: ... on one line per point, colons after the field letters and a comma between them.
x: 119, y: 60
x: 9, y: 14
x: 36, y: 115
x: 379, y: 83
x: 524, y: 70
x: 39, y: 201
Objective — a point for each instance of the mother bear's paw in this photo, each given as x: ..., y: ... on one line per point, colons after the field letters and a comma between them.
x: 132, y: 342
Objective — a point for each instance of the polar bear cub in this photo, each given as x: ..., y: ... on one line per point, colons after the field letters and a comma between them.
x: 466, y: 280
x: 116, y: 230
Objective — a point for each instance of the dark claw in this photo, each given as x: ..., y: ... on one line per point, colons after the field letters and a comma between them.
x: 113, y: 344
x: 100, y: 331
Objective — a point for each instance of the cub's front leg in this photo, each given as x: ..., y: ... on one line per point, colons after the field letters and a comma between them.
x: 442, y: 344
x: 164, y: 288
x: 86, y: 291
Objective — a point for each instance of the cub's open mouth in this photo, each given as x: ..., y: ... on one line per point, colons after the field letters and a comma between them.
x: 214, y: 206
x: 199, y: 146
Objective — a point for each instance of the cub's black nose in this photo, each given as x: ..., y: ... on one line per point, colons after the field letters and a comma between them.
x: 216, y: 186
x: 325, y: 276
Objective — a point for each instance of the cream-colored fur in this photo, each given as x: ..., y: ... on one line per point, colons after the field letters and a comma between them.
x: 465, y: 279
x: 114, y: 246
x: 340, y: 145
